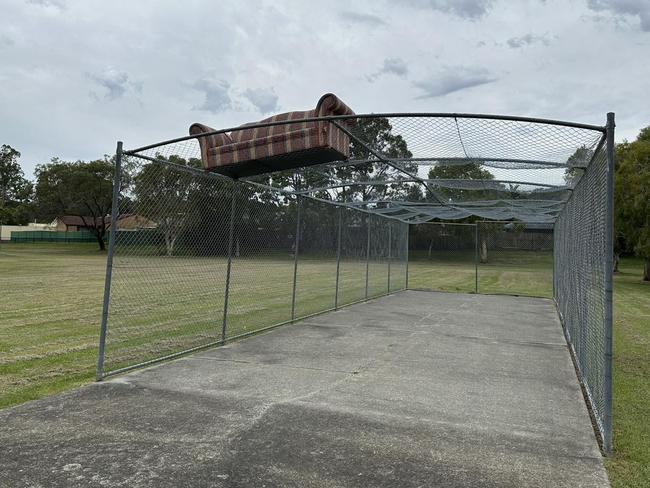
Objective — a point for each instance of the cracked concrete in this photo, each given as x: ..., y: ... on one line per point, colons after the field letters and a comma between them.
x: 414, y: 389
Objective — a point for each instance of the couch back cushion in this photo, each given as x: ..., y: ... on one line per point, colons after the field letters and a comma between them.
x: 261, y: 132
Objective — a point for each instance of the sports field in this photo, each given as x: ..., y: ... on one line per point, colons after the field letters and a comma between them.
x: 51, y: 294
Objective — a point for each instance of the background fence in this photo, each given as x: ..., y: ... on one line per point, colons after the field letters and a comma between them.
x: 52, y: 236
x: 231, y: 258
x: 483, y: 257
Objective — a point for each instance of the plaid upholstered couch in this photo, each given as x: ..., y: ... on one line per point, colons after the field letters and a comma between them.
x: 249, y: 151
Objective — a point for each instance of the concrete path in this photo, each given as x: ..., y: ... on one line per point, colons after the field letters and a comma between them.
x: 416, y: 389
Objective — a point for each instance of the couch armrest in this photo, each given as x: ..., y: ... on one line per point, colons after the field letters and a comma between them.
x: 207, y: 142
x: 330, y: 104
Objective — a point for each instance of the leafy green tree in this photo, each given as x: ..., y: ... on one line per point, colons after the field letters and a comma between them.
x: 84, y: 189
x: 576, y: 162
x: 15, y: 190
x: 469, y: 171
x: 473, y: 172
x: 632, y: 197
x: 167, y: 195
x: 376, y: 135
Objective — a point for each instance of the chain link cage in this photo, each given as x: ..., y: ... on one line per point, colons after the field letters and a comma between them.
x: 448, y: 202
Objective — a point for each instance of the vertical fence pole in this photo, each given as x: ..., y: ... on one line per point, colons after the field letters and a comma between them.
x: 109, y: 260
x: 226, y: 293
x: 390, y: 236
x: 476, y: 257
x: 368, y: 219
x: 609, y: 270
x: 338, y: 257
x: 295, y: 259
x: 408, y: 231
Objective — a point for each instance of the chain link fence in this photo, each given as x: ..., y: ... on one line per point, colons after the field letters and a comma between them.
x: 218, y: 259
x: 583, y: 283
x: 442, y: 257
x: 511, y: 258
x: 515, y: 258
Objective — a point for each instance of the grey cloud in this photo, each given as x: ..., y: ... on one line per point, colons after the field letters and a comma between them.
x: 369, y: 19
x: 216, y: 96
x: 116, y: 83
x: 452, y: 80
x: 527, y: 40
x: 466, y: 9
x: 639, y: 8
x: 394, y: 66
x: 60, y: 4
x: 5, y: 41
x: 264, y: 100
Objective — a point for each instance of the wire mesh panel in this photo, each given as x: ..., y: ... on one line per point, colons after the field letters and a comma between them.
x: 398, y: 255
x: 378, y: 259
x: 263, y: 260
x: 354, y: 256
x: 211, y: 259
x: 442, y: 256
x: 168, y: 275
x: 581, y: 291
x: 515, y: 258
x: 317, y: 257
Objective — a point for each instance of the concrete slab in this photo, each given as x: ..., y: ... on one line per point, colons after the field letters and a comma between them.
x: 411, y: 390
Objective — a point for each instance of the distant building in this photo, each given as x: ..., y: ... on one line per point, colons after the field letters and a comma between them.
x: 76, y: 223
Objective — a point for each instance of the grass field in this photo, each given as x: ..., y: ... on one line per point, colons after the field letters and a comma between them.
x: 51, y: 305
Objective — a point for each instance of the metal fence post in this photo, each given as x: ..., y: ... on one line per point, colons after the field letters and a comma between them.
x: 109, y: 261
x: 609, y: 270
x: 390, y: 236
x: 226, y: 293
x: 367, y: 254
x: 408, y: 231
x: 338, y: 258
x: 295, y: 259
x: 476, y: 257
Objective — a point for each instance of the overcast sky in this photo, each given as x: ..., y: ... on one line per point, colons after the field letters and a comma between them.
x: 77, y: 75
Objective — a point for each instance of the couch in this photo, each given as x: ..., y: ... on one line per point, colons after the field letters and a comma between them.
x: 250, y: 151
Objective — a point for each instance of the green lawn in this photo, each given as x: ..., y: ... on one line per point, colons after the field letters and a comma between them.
x: 506, y: 272
x: 630, y: 466
x: 51, y: 307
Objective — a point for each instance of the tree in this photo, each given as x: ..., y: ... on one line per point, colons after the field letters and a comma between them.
x: 576, y: 164
x: 15, y: 190
x: 632, y: 197
x: 83, y: 189
x: 376, y: 134
x: 167, y: 194
x: 469, y: 171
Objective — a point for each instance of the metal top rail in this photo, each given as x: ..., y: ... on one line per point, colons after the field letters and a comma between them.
x: 450, y: 115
